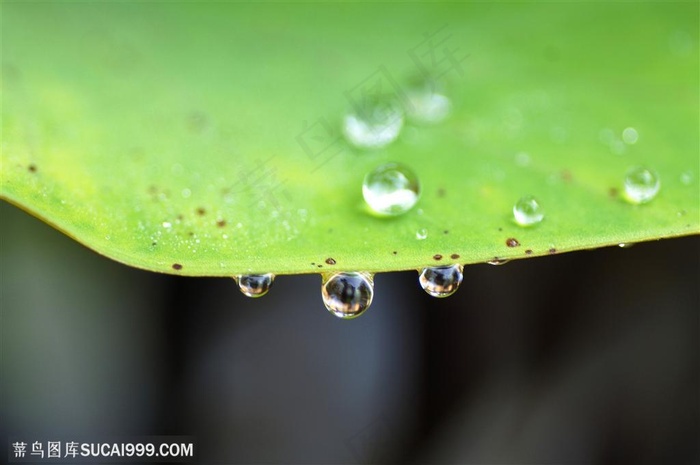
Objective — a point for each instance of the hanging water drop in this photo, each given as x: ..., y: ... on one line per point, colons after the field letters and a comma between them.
x: 347, y: 295
x: 441, y: 281
x: 374, y: 123
x: 391, y: 189
x: 641, y: 185
x: 528, y: 211
x: 255, y: 285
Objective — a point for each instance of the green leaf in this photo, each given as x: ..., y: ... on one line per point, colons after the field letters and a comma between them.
x: 207, y: 135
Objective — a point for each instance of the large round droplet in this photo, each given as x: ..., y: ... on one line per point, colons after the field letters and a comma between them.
x: 373, y: 123
x: 441, y: 281
x: 348, y: 295
x: 641, y: 185
x: 255, y: 285
x: 528, y: 211
x: 391, y: 189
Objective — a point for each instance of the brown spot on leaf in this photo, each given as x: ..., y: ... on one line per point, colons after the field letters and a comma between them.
x: 319, y: 266
x: 454, y: 256
x: 201, y: 211
x: 330, y: 261
x: 500, y: 229
x: 441, y: 192
x: 512, y: 242
x: 446, y: 231
x: 528, y: 251
x: 177, y: 266
x: 566, y: 175
x: 32, y: 168
x: 221, y: 223
x: 437, y: 256
x: 552, y: 250
x: 612, y: 192
x: 394, y: 252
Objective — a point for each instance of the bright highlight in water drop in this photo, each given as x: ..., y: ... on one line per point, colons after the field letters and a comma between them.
x: 421, y: 234
x: 441, y: 281
x: 527, y: 211
x: 255, y: 285
x: 373, y: 124
x: 391, y: 189
x: 347, y: 295
x: 641, y: 185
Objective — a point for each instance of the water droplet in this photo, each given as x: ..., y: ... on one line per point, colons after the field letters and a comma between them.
x: 347, y: 295
x: 497, y: 261
x: 421, y: 234
x: 167, y: 224
x: 625, y: 245
x: 186, y: 193
x: 373, y: 124
x: 427, y: 103
x: 687, y: 177
x: 441, y: 281
x: 527, y: 211
x: 641, y: 185
x: 391, y: 189
x: 255, y: 285
x: 630, y: 136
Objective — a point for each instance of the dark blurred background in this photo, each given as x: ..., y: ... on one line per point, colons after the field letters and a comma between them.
x: 588, y: 357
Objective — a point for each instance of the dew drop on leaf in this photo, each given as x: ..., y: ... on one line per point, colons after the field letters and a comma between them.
x: 391, y: 189
x: 641, y: 185
x: 528, y: 211
x: 373, y: 124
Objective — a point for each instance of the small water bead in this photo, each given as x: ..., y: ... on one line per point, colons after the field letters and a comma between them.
x: 373, y: 124
x: 347, y: 295
x: 641, y: 185
x: 687, y: 178
x: 630, y: 136
x: 391, y: 189
x: 421, y: 234
x: 528, y: 211
x: 255, y: 285
x: 441, y: 281
x: 497, y: 261
x: 625, y: 245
